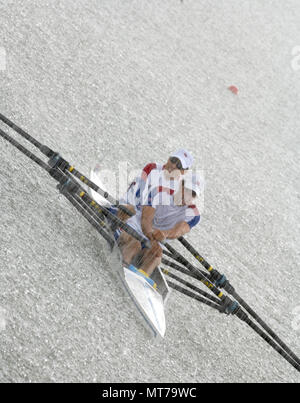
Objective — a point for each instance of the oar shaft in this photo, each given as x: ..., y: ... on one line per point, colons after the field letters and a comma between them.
x: 177, y: 259
x: 64, y: 165
x: 197, y: 272
x: 272, y: 343
x: 193, y: 251
x: 66, y: 181
x: 193, y: 295
x: 78, y: 204
x: 179, y: 268
x: 75, y: 188
x: 266, y: 327
x: 24, y: 150
x: 26, y: 135
x: 231, y: 290
x: 91, y: 184
x: 191, y: 286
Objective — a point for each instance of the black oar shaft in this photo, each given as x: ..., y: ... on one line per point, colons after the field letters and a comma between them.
x: 191, y: 286
x: 74, y: 186
x: 272, y: 343
x: 24, y: 150
x: 193, y: 251
x: 44, y: 149
x: 43, y: 165
x: 179, y: 268
x: 177, y: 259
x: 197, y: 272
x: 63, y: 164
x: 243, y: 303
x: 267, y: 328
x: 92, y: 185
x: 66, y: 166
x: 193, y: 295
x: 78, y: 204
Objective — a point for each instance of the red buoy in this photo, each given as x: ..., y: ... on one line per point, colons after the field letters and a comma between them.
x: 233, y: 89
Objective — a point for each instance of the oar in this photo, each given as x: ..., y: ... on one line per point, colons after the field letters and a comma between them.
x: 271, y: 342
x: 179, y: 268
x: 24, y: 150
x: 215, y: 276
x: 78, y: 204
x: 191, y: 286
x: 239, y: 313
x: 56, y: 161
x: 195, y: 296
x: 166, y: 253
x: 67, y: 183
x: 231, y: 306
x: 44, y: 149
x: 228, y: 287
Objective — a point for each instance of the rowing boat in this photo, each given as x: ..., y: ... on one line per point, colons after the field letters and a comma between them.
x: 149, y: 302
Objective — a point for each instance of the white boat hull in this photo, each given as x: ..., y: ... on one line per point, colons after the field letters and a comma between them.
x: 148, y: 302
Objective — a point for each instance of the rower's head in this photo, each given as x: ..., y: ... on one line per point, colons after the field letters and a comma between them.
x: 189, y: 190
x: 178, y: 163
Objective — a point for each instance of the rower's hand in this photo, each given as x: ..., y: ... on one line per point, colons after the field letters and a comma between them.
x: 159, y: 235
x: 149, y: 235
x: 156, y: 250
x: 122, y: 215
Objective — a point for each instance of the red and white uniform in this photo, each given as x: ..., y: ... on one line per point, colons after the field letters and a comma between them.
x: 154, y: 189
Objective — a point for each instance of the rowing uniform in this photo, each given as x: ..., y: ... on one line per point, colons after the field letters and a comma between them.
x: 167, y: 214
x: 154, y: 189
x: 152, y: 175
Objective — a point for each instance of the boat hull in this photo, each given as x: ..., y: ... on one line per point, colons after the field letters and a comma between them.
x: 148, y: 302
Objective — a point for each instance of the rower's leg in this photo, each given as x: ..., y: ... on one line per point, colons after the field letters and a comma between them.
x: 129, y: 247
x: 151, y: 258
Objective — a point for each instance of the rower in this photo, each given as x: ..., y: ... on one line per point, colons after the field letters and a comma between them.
x: 153, y: 174
x: 164, y: 215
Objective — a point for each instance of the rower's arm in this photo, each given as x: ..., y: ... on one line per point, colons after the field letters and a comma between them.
x: 148, y: 213
x: 178, y: 230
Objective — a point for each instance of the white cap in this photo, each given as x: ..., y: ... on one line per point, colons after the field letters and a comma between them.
x: 193, y: 182
x: 185, y: 158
